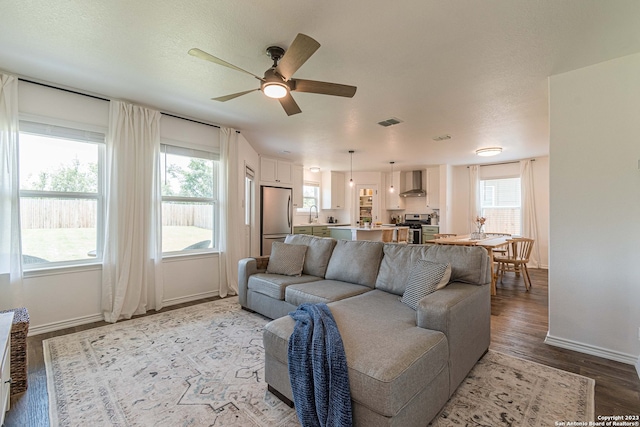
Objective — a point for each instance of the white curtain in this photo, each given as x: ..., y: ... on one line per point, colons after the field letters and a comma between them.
x: 230, y: 213
x: 474, y: 197
x: 10, y: 258
x: 528, y: 203
x: 131, y: 273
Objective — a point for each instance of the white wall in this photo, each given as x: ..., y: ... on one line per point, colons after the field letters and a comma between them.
x: 594, y: 280
x: 68, y: 297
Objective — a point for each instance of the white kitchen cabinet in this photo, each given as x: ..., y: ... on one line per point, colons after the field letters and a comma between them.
x: 394, y: 201
x: 273, y: 171
x: 332, y: 189
x: 433, y: 187
x: 298, y: 184
x: 6, y: 322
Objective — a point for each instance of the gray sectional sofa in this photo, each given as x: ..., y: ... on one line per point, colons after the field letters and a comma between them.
x: 403, y: 364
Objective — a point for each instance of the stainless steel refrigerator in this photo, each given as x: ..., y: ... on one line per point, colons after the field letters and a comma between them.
x: 275, y: 216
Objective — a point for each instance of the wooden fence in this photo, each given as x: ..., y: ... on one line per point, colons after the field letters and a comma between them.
x: 82, y: 213
x: 57, y: 213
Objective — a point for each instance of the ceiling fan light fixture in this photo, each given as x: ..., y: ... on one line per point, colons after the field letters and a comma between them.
x: 275, y: 90
x: 489, y: 151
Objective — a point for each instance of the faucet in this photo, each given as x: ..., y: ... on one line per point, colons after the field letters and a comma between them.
x: 313, y: 206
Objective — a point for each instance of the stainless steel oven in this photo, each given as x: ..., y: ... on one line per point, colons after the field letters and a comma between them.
x: 415, y: 223
x: 415, y: 235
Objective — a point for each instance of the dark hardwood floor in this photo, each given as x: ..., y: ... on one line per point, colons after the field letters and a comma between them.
x: 519, y: 324
x: 518, y: 327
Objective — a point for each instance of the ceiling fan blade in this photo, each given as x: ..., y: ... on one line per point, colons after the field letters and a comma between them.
x: 324, y: 88
x: 289, y: 104
x: 233, y: 95
x: 300, y: 50
x: 208, y: 57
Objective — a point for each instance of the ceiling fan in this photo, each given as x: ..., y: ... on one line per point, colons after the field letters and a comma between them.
x: 277, y: 81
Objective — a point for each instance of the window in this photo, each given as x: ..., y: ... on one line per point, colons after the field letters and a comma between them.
x: 500, y: 202
x: 61, y: 201
x: 310, y: 196
x: 188, y: 199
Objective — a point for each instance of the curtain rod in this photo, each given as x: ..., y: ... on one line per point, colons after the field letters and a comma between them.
x: 502, y: 163
x: 108, y: 100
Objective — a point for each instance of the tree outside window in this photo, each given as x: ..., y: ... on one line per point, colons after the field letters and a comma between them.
x: 310, y: 196
x: 188, y: 199
x: 60, y: 194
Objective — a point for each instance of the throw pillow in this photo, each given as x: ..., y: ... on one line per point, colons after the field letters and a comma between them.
x: 286, y: 259
x: 425, y: 278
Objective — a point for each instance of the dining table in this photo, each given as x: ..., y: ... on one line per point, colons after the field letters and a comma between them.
x: 489, y: 243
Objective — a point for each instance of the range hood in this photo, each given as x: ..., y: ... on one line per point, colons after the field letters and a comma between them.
x: 414, y: 183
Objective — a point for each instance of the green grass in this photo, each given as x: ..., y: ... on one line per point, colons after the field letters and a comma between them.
x: 70, y: 244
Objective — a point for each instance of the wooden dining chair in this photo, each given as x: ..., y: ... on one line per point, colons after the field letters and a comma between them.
x: 387, y: 235
x: 516, y: 259
x: 498, y: 251
x: 402, y: 235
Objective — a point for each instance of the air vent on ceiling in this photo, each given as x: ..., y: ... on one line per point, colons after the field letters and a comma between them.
x: 390, y: 122
x: 441, y: 137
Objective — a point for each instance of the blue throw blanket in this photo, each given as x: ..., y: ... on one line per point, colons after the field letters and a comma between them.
x: 318, y: 369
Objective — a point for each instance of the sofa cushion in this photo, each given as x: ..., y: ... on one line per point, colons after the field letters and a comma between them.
x: 319, y: 251
x: 469, y: 264
x: 286, y: 259
x: 322, y: 291
x: 396, y: 265
x: 273, y: 285
x: 385, y: 377
x: 425, y: 278
x: 355, y: 261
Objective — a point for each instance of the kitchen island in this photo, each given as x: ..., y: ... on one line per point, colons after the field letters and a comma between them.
x: 375, y: 234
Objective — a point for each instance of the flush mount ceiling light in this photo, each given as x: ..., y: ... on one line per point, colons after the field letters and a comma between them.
x: 314, y: 169
x: 490, y: 151
x: 391, y: 189
x: 351, y: 183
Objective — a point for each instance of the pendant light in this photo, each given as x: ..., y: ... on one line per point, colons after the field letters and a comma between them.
x: 391, y: 189
x: 351, y: 183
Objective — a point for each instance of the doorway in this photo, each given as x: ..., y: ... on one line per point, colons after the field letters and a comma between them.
x: 249, y: 211
x: 366, y: 203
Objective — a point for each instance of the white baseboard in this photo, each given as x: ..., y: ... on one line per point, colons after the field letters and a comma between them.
x: 593, y: 350
x: 638, y: 366
x: 70, y: 323
x: 189, y: 298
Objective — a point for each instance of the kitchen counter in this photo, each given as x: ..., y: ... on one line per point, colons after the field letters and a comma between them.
x: 360, y: 233
x: 321, y: 224
x: 349, y: 227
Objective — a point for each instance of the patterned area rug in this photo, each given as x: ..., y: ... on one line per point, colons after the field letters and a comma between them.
x: 503, y: 390
x: 204, y: 366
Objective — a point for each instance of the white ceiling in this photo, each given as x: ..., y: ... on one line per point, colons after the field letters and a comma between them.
x: 476, y: 70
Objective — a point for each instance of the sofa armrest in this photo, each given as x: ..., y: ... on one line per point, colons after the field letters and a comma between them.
x: 463, y: 313
x: 247, y: 267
